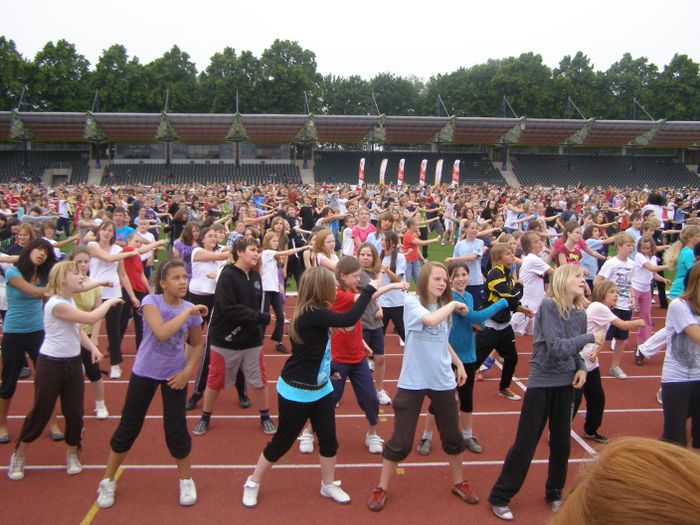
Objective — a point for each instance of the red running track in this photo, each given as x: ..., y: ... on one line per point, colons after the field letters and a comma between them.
x: 148, y: 488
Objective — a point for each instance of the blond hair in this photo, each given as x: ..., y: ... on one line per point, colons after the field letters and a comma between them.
x: 623, y: 238
x: 316, y: 290
x: 671, y: 254
x: 499, y: 250
x: 57, y: 277
x: 635, y: 481
x: 560, y: 293
x: 691, y: 295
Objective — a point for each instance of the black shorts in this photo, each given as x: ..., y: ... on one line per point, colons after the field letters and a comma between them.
x: 616, y: 333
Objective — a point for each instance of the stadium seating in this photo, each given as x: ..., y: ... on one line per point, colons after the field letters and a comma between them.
x: 601, y: 170
x: 207, y: 172
x: 12, y: 164
x: 342, y: 167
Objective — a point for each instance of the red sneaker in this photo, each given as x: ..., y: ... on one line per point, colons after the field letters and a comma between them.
x: 377, y: 499
x: 465, y: 492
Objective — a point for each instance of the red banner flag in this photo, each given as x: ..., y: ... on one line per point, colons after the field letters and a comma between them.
x: 455, y: 173
x: 399, y: 178
x: 361, y: 173
x: 421, y: 173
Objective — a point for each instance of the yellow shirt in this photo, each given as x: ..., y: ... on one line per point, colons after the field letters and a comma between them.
x: 85, y: 301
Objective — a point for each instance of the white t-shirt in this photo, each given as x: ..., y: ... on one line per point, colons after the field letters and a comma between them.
x: 511, y: 217
x: 148, y: 238
x: 348, y: 242
x: 682, y: 360
x: 426, y: 361
x: 200, y: 283
x: 62, y: 339
x: 531, y: 273
x: 599, y: 318
x: 104, y: 271
x: 620, y: 273
x: 393, y: 297
x: 269, y: 274
x: 641, y: 277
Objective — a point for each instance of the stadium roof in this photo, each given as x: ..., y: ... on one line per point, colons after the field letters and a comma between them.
x: 347, y: 129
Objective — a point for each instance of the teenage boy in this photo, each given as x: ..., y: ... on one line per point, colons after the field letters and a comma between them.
x: 236, y: 332
x: 532, y: 273
x: 497, y: 333
x: 122, y: 230
x: 619, y: 270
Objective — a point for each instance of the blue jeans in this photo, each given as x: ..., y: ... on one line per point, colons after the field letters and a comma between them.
x: 412, y: 270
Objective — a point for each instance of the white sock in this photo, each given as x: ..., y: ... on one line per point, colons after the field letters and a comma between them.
x: 466, y: 434
x: 428, y: 435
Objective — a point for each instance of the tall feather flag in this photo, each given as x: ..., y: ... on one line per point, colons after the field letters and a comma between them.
x: 438, y: 172
x: 361, y: 173
x: 455, y: 172
x: 399, y: 178
x: 382, y: 171
x: 421, y: 173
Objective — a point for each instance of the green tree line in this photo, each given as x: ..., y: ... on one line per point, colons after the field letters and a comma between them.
x: 59, y: 78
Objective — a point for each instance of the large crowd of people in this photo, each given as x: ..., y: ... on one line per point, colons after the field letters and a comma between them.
x: 197, y: 270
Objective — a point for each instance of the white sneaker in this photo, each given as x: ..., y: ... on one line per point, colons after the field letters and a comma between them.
x: 334, y: 492
x: 617, y: 372
x: 370, y: 363
x: 383, y: 398
x: 659, y: 399
x: 115, y: 372
x: 188, y: 492
x: 374, y: 443
x: 16, y: 468
x: 105, y: 493
x: 73, y: 465
x: 101, y: 412
x: 250, y: 492
x: 401, y: 342
x: 286, y: 321
x: 306, y: 443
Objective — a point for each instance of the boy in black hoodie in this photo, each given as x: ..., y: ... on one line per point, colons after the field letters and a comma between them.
x: 497, y: 333
x: 236, y: 333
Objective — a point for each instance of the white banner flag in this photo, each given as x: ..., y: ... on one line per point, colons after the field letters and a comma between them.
x: 438, y: 172
x: 421, y: 173
x: 382, y: 170
x: 455, y: 173
x: 361, y: 173
x: 399, y: 177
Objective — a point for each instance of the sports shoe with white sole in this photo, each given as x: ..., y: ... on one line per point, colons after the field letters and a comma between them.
x: 16, y: 469
x: 101, y: 412
x: 509, y: 394
x: 306, y: 443
x: 115, y: 372
x: 383, y: 398
x: 73, y: 465
x: 617, y: 372
x: 334, y: 492
x: 250, y: 492
x: 374, y: 443
x: 425, y: 445
x: 105, y: 493
x: 200, y: 428
x: 188, y: 492
x: 472, y: 445
x: 502, y: 512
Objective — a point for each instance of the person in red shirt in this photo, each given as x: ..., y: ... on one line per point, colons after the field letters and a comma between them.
x: 349, y: 355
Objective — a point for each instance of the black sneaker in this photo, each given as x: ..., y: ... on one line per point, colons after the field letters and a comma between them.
x: 638, y: 357
x: 268, y: 427
x: 244, y: 401
x: 193, y: 400
x: 595, y: 437
x: 200, y: 428
x: 25, y: 372
x: 281, y: 348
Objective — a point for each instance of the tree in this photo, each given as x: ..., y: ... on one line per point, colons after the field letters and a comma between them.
x: 575, y: 78
x: 627, y: 79
x: 345, y: 96
x: 176, y: 73
x: 60, y: 79
x: 397, y: 95
x: 121, y: 81
x: 676, y: 91
x: 527, y: 83
x: 227, y: 74
x: 13, y: 74
x: 288, y: 71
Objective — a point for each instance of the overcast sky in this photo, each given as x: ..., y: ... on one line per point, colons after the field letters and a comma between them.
x: 362, y: 37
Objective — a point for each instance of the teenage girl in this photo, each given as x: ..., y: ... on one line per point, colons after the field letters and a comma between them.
x: 463, y: 342
x: 393, y: 265
x: 349, y: 353
x: 427, y: 371
x: 323, y: 250
x: 23, y: 327
x: 599, y: 318
x: 59, y: 367
x: 271, y: 285
x: 372, y: 324
x: 556, y: 369
x: 162, y: 361
x: 88, y: 300
x: 106, y: 264
x: 304, y: 389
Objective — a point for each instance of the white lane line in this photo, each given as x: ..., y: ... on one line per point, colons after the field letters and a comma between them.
x: 427, y: 464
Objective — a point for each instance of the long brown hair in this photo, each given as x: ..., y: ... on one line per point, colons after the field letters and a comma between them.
x: 376, y: 261
x: 423, y: 281
x: 635, y: 481
x: 316, y: 290
x: 346, y: 266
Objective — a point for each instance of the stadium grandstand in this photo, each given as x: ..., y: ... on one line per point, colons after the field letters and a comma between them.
x: 124, y: 148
